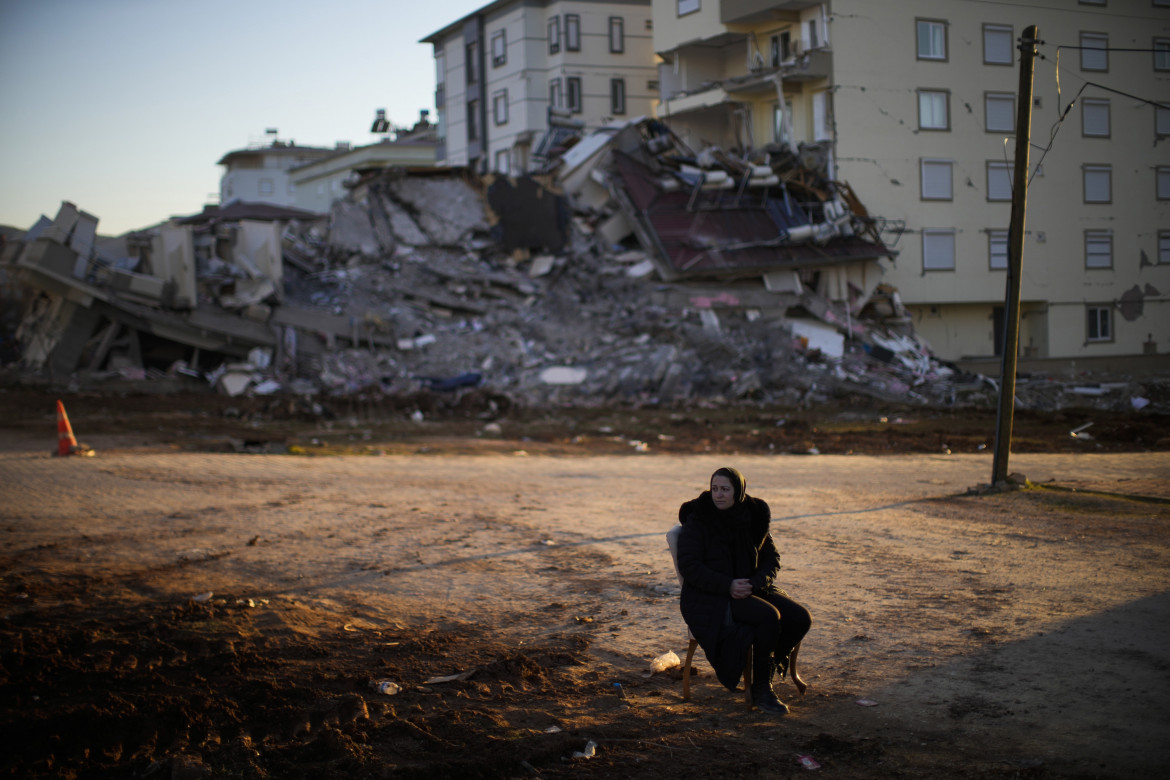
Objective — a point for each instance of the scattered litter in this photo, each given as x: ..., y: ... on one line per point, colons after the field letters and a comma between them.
x: 667, y: 660
x: 386, y: 687
x: 553, y: 730
x: 1079, y: 433
x: 808, y: 762
x: 589, y: 752
x: 866, y: 703
x: 450, y: 678
x: 1138, y: 403
x: 202, y: 597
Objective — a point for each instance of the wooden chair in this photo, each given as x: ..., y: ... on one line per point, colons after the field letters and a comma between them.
x: 692, y: 643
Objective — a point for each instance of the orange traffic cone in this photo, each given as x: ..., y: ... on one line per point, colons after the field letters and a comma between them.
x: 66, y: 442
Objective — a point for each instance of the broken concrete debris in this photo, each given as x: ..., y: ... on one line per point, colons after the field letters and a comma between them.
x: 633, y: 271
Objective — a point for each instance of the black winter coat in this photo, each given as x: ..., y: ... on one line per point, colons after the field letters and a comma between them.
x: 714, y: 548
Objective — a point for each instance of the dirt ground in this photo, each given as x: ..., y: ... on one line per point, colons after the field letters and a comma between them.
x: 187, y: 604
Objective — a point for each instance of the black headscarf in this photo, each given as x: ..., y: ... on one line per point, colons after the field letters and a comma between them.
x: 738, y: 483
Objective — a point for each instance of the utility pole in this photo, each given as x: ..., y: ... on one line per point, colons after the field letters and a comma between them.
x: 1011, y: 309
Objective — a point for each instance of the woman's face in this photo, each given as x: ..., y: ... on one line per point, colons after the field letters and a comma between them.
x: 721, y: 492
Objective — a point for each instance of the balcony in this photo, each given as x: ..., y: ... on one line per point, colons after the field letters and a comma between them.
x: 748, y: 11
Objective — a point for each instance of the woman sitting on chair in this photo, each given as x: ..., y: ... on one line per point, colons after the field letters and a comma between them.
x: 728, y: 561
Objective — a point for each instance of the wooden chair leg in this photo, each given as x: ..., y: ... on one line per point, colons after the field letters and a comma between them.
x: 747, y: 680
x: 687, y: 669
x: 799, y: 683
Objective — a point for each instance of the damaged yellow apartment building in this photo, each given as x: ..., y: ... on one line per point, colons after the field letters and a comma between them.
x: 913, y: 103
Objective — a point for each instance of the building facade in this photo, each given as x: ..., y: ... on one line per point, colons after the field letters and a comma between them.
x: 914, y: 104
x: 260, y: 174
x: 499, y: 70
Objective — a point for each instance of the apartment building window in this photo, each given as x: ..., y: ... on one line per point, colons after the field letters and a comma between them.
x: 1098, y: 183
x: 932, y: 40
x: 1162, y: 182
x: 998, y: 44
x: 1164, y: 246
x: 554, y: 35
x: 997, y: 250
x: 503, y: 162
x: 500, y: 107
x: 1094, y: 54
x: 499, y: 48
x: 938, y: 250
x: 687, y: 7
x: 1161, y: 120
x: 1100, y: 323
x: 779, y: 126
x: 999, y: 181
x: 937, y: 179
x: 267, y: 187
x: 555, y: 96
x: 472, y: 63
x: 617, y: 96
x: 473, y: 120
x: 1098, y: 249
x: 781, y: 48
x: 572, y: 32
x: 617, y: 35
x: 573, y: 91
x: 813, y: 38
x: 999, y: 109
x: 933, y: 110
x: 1162, y: 54
x: 1095, y: 118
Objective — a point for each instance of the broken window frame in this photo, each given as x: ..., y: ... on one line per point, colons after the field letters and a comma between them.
x: 500, y: 107
x: 574, y: 99
x: 999, y: 181
x: 1162, y: 182
x: 936, y: 30
x: 997, y: 250
x: 556, y: 97
x: 1097, y: 183
x: 617, y: 96
x: 572, y: 32
x: 504, y: 156
x: 1094, y: 52
x: 1161, y: 47
x: 1095, y: 116
x: 934, y: 95
x: 617, y: 35
x: 1098, y: 250
x: 930, y: 174
x: 998, y: 40
x: 938, y: 234
x: 554, y: 35
x: 1163, y: 247
x: 499, y: 48
x: 1098, y: 323
x: 993, y: 117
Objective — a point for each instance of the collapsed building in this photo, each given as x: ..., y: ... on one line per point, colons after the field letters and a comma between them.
x: 634, y: 270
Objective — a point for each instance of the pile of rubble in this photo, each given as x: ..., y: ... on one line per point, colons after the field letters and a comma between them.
x: 631, y: 273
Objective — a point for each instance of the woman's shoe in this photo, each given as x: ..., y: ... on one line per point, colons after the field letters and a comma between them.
x: 765, y: 698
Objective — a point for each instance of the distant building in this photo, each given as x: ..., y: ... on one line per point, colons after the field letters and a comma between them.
x: 260, y: 174
x: 311, y: 177
x: 500, y: 69
x: 914, y: 104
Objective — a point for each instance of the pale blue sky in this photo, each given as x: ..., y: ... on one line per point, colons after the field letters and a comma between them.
x: 124, y: 106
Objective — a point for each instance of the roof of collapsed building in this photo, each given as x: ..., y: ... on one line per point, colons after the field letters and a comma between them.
x: 601, y: 281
